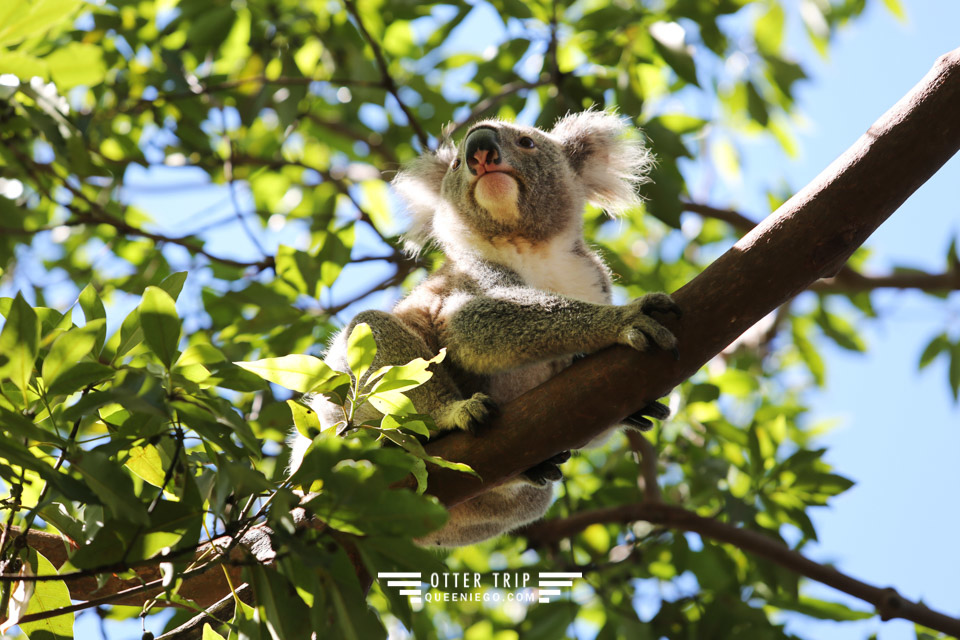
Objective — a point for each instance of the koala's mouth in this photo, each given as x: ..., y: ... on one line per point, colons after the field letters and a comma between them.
x: 495, y: 184
x: 497, y: 173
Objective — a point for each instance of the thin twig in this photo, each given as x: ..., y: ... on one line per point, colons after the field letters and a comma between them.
x: 647, y: 455
x: 387, y: 79
x: 491, y: 101
x: 888, y: 603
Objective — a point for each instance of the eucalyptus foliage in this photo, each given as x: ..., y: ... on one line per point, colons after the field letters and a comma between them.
x: 150, y: 370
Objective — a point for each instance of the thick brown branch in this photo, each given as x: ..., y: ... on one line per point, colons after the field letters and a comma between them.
x: 888, y: 603
x: 206, y: 585
x: 809, y: 237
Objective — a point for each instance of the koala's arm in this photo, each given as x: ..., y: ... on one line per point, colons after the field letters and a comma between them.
x: 509, y: 327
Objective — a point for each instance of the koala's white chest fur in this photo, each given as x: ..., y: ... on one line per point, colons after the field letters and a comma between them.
x: 556, y: 266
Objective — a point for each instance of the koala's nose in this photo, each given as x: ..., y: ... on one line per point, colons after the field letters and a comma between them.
x: 482, y: 149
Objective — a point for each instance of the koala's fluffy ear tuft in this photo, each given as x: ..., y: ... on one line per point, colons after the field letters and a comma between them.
x: 418, y: 184
x: 608, y: 155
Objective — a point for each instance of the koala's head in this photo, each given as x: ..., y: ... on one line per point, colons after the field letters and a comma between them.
x: 505, y: 181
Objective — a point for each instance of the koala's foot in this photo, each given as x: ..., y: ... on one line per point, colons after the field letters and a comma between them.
x: 641, y: 422
x: 468, y: 415
x: 640, y: 330
x: 547, y: 471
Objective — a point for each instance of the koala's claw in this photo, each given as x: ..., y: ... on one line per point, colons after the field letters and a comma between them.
x: 641, y: 330
x: 543, y: 474
x: 644, y: 330
x: 547, y: 471
x: 639, y: 420
x: 660, y: 302
x: 470, y: 414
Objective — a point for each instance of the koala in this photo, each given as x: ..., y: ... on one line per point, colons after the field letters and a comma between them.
x: 520, y: 294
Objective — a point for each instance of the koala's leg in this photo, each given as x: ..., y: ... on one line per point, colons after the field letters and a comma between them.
x: 491, y: 514
x: 397, y: 344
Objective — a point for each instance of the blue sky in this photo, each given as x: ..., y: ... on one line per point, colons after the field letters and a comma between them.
x: 898, y: 430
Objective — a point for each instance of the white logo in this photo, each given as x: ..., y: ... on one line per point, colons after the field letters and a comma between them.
x: 549, y: 579
x: 411, y: 584
x: 470, y: 586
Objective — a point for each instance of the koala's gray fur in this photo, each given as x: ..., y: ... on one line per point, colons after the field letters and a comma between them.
x: 520, y: 292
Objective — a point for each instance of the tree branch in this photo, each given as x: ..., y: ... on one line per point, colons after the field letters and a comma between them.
x: 491, y: 101
x: 647, y: 456
x: 888, y: 603
x: 387, y: 79
x: 847, y: 280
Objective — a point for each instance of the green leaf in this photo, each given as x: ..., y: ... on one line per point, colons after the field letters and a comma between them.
x: 668, y: 38
x: 19, y: 343
x: 412, y: 445
x: 145, y: 462
x: 940, y: 344
x: 173, y: 283
x: 93, y: 309
x: 76, y: 64
x: 22, y: 65
x: 361, y: 349
x: 739, y: 384
x: 840, y: 331
x: 70, y: 487
x: 392, y: 402
x: 284, y: 612
x: 20, y: 19
x: 111, y: 485
x: 210, y: 634
x: 129, y: 336
x: 404, y: 377
x: 896, y: 8
x: 808, y: 352
x: 160, y: 323
x: 821, y: 609
x: 14, y: 424
x: 47, y: 596
x: 298, y: 372
x: 305, y: 419
x: 131, y: 332
x: 69, y: 349
x: 954, y: 371
x: 298, y: 269
x: 768, y: 30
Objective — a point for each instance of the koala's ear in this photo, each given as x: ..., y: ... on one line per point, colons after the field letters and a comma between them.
x: 608, y: 155
x: 418, y: 184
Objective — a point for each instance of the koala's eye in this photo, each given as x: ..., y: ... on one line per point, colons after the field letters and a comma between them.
x: 526, y: 142
x: 456, y: 164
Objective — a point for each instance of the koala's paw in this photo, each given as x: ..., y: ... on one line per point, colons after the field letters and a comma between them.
x: 641, y: 331
x: 547, y: 471
x: 468, y: 415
